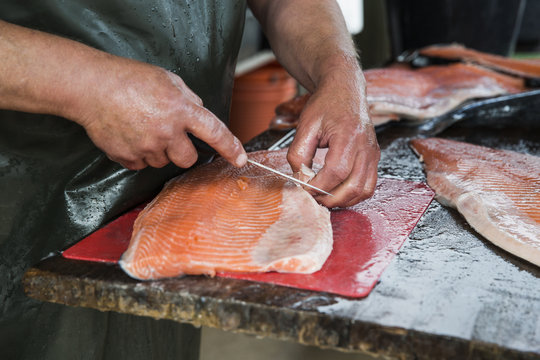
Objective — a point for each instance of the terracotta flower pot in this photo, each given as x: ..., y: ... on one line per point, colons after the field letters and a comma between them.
x: 255, y: 97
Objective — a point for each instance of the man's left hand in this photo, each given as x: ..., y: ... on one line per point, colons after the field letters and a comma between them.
x: 336, y: 116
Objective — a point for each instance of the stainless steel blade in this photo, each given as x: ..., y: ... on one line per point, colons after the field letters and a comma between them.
x: 288, y: 177
x: 284, y: 141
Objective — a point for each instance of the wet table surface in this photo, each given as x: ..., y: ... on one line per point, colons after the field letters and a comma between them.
x: 448, y: 294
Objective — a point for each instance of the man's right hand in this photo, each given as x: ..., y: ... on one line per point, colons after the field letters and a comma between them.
x: 144, y: 114
x: 138, y: 114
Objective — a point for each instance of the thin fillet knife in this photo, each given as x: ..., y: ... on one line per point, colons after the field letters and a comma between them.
x: 288, y: 177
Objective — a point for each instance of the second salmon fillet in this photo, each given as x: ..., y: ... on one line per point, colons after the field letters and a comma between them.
x: 220, y: 218
x: 497, y: 191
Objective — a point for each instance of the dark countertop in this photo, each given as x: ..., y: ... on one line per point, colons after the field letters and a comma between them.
x: 448, y: 294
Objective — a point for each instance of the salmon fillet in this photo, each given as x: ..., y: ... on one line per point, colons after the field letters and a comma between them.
x: 497, y: 191
x: 220, y: 218
x: 433, y: 90
x: 416, y: 94
x: 519, y: 67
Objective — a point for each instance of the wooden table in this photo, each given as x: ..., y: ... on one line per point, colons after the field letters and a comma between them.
x: 448, y: 294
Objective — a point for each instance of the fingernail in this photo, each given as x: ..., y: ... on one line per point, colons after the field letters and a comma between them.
x: 241, y: 160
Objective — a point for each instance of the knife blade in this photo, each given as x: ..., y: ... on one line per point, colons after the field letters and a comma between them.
x: 293, y: 179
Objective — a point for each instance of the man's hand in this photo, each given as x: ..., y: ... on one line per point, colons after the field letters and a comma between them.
x: 143, y: 116
x: 336, y: 117
x: 137, y: 113
x: 322, y: 57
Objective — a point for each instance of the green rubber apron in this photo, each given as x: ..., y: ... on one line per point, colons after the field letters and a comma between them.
x: 56, y: 186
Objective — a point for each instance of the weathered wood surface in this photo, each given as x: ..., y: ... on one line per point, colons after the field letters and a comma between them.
x: 448, y: 294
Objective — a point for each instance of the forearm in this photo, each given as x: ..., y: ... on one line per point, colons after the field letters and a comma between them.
x: 138, y: 114
x: 43, y: 73
x: 309, y: 37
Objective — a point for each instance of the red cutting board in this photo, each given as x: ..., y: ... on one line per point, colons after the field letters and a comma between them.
x: 366, y: 238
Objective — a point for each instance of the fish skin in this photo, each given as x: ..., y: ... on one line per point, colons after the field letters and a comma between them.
x: 220, y: 218
x: 496, y: 191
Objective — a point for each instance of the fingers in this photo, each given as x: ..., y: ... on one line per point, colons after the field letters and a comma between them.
x: 179, y: 149
x: 136, y: 164
x: 215, y: 133
x: 350, y: 169
x: 338, y: 164
x: 303, y: 148
x: 371, y: 178
x: 207, y: 127
x: 182, y: 152
x: 358, y: 186
x: 155, y: 155
x: 157, y: 160
x: 151, y: 123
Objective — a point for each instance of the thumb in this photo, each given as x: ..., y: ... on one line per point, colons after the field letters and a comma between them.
x: 303, y: 148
